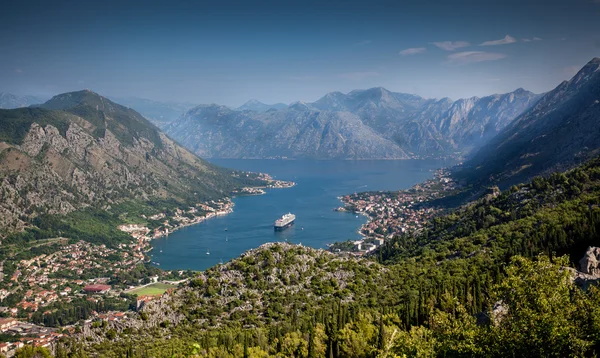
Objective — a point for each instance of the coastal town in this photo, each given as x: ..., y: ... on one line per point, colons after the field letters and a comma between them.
x: 104, y: 283
x: 393, y: 213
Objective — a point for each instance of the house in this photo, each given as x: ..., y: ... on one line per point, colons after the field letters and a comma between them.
x: 97, y: 288
x: 6, y: 323
x: 4, y: 347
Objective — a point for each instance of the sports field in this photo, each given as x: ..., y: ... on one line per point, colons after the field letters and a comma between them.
x: 155, y: 289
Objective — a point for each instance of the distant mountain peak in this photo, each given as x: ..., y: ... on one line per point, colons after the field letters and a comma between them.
x: 258, y: 106
x: 253, y: 102
x: 521, y: 90
x: 591, y: 66
x: 586, y: 73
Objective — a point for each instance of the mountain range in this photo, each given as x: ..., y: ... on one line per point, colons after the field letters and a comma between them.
x: 558, y: 132
x: 363, y: 124
x: 80, y: 150
x: 9, y: 101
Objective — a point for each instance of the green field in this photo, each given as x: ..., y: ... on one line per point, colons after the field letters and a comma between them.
x: 155, y: 289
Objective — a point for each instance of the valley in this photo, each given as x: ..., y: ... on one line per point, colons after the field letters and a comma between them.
x: 359, y: 212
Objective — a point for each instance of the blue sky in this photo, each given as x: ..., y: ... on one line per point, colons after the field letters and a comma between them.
x: 281, y: 51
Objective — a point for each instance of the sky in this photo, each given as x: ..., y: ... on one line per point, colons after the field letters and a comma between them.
x: 228, y: 52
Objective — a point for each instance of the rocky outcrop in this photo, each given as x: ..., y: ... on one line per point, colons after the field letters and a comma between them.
x: 590, y: 262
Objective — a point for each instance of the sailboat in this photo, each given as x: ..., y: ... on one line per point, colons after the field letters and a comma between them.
x: 207, y: 251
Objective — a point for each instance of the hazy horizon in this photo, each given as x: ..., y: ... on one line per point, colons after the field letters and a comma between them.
x: 234, y: 51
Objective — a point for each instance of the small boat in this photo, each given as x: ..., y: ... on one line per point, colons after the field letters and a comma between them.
x: 207, y: 252
x: 160, y: 251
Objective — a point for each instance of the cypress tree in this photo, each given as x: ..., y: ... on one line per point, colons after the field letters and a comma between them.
x: 380, y: 334
x: 246, y: 353
x: 311, y: 345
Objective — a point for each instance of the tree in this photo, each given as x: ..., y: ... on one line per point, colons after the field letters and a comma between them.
x: 32, y: 352
x: 537, y: 318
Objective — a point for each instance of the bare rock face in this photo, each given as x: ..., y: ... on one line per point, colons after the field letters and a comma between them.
x: 590, y: 262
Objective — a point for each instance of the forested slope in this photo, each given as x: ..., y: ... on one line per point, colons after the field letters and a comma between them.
x: 470, y: 285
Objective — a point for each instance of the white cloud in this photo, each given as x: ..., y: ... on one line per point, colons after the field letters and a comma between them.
x: 527, y: 39
x: 462, y: 58
x: 18, y: 70
x: 451, y: 45
x: 412, y: 51
x: 357, y: 76
x: 505, y: 41
x: 363, y: 43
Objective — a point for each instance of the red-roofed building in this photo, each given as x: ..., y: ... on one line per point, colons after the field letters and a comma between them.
x: 96, y: 288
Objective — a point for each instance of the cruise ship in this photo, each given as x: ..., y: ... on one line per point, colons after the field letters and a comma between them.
x: 284, y: 222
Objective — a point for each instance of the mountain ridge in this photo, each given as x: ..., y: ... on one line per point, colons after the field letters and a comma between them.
x: 405, y: 125
x: 559, y: 131
x: 80, y: 150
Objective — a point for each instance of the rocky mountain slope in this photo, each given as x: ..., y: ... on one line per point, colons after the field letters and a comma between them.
x: 560, y: 131
x: 363, y: 124
x: 217, y: 131
x: 9, y: 101
x: 80, y: 149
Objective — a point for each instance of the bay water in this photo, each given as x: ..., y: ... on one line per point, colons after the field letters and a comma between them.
x: 312, y: 200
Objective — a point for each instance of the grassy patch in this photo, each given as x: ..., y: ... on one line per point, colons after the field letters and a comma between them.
x: 155, y: 289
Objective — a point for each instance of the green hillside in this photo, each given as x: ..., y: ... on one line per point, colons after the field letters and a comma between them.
x: 485, y: 280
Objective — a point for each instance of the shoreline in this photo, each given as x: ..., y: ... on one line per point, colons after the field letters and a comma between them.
x: 342, y: 209
x: 223, y: 207
x: 398, y: 212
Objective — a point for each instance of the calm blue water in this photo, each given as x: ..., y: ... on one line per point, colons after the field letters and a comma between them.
x: 313, y: 199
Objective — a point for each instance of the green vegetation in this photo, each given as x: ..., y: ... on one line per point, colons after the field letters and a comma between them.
x: 15, y: 123
x: 486, y: 280
x: 155, y: 289
x: 63, y: 314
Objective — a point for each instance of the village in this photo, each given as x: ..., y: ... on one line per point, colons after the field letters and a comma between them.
x: 86, y: 272
x: 393, y: 213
